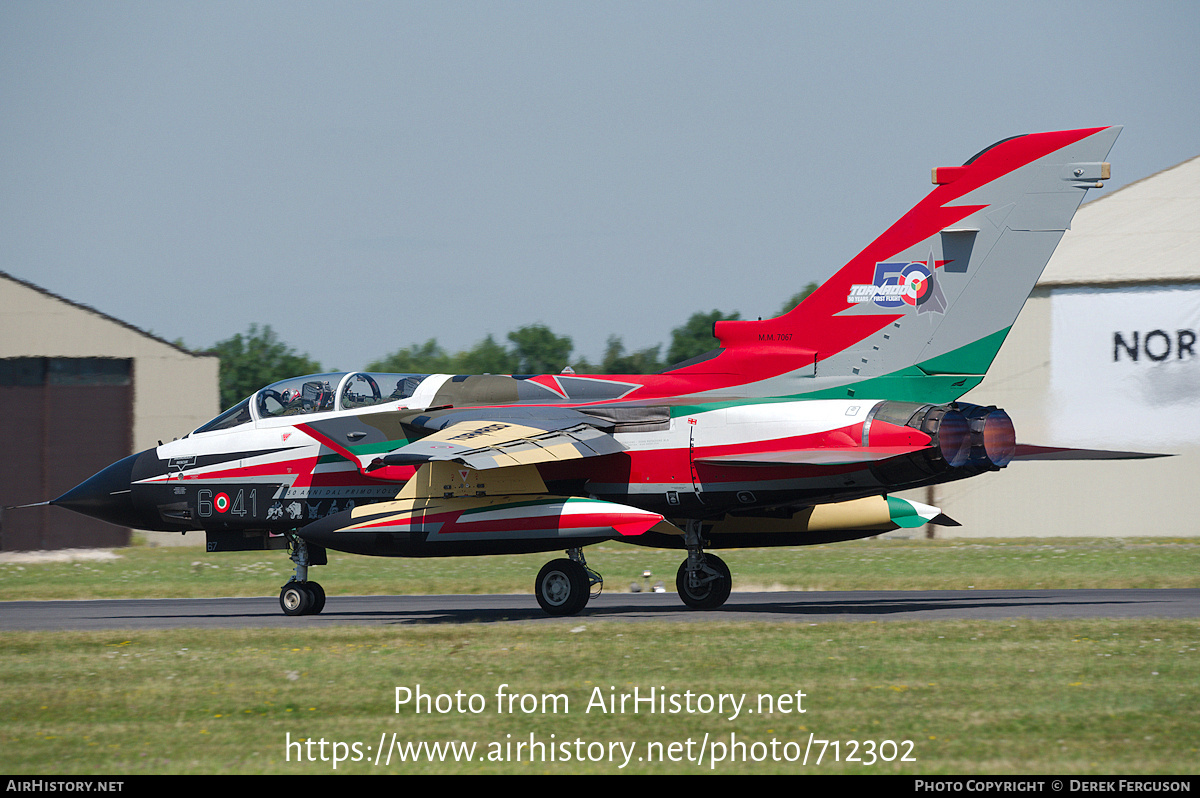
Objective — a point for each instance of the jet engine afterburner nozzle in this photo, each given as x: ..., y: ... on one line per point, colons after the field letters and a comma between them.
x: 952, y: 432
x: 962, y: 435
x: 993, y: 436
x: 970, y: 435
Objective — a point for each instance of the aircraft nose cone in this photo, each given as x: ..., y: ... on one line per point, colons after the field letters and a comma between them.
x: 107, y: 495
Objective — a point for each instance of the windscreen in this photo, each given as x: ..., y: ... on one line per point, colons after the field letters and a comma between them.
x: 233, y: 417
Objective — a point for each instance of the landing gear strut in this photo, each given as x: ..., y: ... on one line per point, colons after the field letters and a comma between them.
x: 300, y: 596
x: 564, y: 586
x: 703, y: 580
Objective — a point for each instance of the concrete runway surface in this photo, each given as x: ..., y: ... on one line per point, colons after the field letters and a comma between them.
x: 797, y: 607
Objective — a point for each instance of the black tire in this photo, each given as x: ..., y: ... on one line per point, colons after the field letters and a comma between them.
x: 318, y: 597
x: 711, y: 595
x: 294, y: 599
x: 562, y: 587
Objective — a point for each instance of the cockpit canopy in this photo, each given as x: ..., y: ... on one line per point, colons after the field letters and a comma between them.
x: 318, y: 393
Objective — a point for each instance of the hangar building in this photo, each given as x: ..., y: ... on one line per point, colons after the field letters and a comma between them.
x: 1105, y: 355
x: 80, y: 390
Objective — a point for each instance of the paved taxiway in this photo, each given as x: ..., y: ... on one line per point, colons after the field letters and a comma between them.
x: 797, y: 607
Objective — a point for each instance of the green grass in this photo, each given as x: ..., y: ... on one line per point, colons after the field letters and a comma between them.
x: 142, y: 572
x: 970, y: 697
x: 1062, y: 697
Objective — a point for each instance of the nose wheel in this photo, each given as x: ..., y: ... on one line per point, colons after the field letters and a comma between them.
x: 302, y: 598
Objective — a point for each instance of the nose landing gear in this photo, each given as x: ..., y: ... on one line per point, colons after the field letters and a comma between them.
x: 300, y: 596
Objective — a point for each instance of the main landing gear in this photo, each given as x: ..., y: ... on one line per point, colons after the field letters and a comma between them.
x: 703, y: 580
x: 564, y: 586
x: 300, y: 596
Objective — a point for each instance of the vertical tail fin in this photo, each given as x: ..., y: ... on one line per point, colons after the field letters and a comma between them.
x: 921, y: 312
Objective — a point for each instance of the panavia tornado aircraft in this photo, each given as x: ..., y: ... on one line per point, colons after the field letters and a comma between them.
x: 794, y: 431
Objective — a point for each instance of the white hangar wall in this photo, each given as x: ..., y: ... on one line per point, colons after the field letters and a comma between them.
x: 175, y: 390
x: 1105, y: 354
x: 80, y: 390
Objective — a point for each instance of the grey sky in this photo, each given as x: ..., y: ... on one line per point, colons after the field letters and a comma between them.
x: 363, y: 176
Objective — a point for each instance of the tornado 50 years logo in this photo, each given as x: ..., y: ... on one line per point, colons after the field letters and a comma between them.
x: 900, y: 284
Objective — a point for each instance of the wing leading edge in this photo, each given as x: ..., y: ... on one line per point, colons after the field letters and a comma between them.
x: 488, y: 444
x: 387, y: 445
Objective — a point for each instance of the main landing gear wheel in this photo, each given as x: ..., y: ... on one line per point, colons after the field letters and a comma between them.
x: 712, y: 590
x: 302, y: 598
x: 562, y: 587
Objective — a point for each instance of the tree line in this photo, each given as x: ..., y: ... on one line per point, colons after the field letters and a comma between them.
x: 257, y: 357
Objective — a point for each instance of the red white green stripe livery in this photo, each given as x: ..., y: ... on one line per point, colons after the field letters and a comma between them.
x: 794, y: 431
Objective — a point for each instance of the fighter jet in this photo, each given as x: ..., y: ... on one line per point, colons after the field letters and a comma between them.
x: 796, y: 430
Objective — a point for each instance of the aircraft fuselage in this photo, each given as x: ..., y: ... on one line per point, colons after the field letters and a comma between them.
x: 272, y: 474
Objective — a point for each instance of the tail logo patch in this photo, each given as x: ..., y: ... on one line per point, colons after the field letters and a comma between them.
x: 902, y: 283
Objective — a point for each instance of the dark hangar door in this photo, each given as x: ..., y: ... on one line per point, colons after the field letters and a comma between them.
x: 63, y: 420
